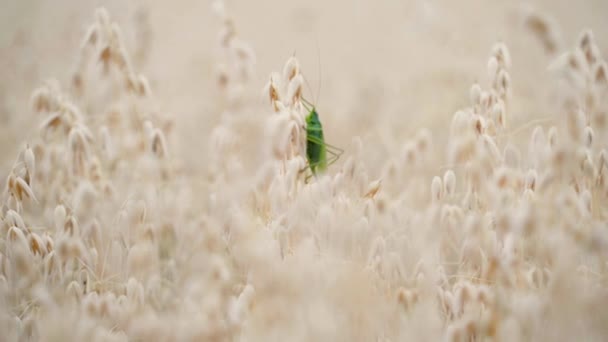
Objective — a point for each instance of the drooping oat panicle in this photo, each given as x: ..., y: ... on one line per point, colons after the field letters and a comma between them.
x: 436, y: 189
x: 158, y: 143
x: 545, y: 30
x: 449, y: 182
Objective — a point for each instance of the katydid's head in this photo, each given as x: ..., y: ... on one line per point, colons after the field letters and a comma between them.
x: 313, y: 122
x: 312, y: 118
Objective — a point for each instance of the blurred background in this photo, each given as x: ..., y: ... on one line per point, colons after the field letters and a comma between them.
x: 383, y: 69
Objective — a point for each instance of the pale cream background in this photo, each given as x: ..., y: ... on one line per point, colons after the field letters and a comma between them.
x: 389, y: 68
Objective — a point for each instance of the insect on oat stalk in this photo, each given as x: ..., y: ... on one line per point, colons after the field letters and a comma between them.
x: 316, y: 147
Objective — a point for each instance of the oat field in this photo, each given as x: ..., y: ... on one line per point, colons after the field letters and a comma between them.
x: 157, y: 181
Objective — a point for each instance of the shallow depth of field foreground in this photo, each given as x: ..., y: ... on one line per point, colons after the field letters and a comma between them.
x: 155, y: 188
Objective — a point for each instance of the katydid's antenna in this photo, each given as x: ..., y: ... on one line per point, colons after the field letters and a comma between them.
x: 307, y: 86
x: 318, y: 95
x: 320, y: 72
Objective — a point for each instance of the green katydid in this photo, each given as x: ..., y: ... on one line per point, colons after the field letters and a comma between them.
x: 316, y: 147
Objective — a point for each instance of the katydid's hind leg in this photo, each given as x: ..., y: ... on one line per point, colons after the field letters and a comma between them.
x: 333, y: 149
x: 312, y: 167
x: 334, y: 156
x: 303, y: 169
x: 306, y: 176
x: 335, y: 152
x: 336, y: 149
x: 309, y: 176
